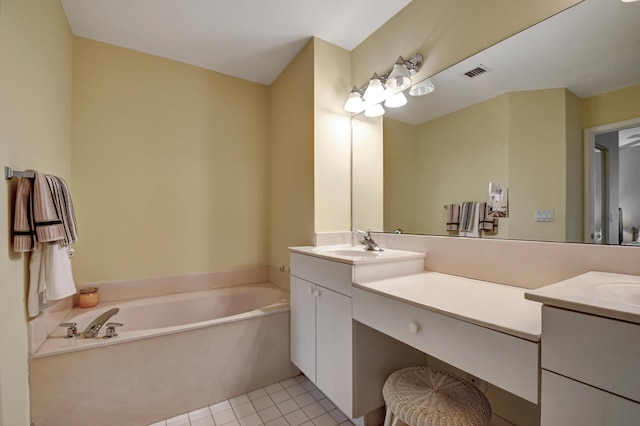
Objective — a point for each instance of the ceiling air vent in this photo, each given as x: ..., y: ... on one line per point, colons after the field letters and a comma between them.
x: 477, y: 71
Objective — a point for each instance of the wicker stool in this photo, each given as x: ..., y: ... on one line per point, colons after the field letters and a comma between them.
x: 420, y: 396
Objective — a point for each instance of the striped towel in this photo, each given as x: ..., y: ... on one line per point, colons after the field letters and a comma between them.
x: 467, y: 212
x: 486, y: 222
x: 43, y: 213
x: 453, y: 217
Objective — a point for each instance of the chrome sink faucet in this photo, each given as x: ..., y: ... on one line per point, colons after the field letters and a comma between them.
x: 92, y: 330
x: 370, y: 245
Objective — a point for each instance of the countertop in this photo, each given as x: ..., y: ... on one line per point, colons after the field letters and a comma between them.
x: 355, y: 255
x: 498, y: 307
x: 605, y: 294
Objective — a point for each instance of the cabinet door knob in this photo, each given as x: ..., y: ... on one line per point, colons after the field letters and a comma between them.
x: 413, y: 327
x: 310, y: 290
x: 317, y: 293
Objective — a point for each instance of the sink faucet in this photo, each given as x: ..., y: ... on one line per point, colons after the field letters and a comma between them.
x: 370, y: 245
x: 92, y: 330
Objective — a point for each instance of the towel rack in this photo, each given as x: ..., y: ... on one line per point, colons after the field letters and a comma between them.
x: 9, y: 173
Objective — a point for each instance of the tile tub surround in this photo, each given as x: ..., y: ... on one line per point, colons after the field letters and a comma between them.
x: 139, y: 382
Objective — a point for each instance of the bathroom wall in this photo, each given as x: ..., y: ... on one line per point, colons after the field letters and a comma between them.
x: 170, y: 166
x: 35, y: 132
x: 611, y: 107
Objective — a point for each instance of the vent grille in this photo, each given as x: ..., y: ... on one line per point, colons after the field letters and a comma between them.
x: 477, y: 71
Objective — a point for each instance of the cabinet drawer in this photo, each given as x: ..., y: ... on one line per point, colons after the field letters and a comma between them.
x: 332, y: 275
x: 506, y: 361
x: 566, y: 402
x: 598, y: 351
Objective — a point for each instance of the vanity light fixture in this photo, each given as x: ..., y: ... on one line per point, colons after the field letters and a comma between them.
x: 399, y: 77
x: 423, y: 88
x: 374, y: 110
x: 396, y: 101
x: 381, y: 88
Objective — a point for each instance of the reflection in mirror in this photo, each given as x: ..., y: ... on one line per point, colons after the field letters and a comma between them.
x: 523, y: 122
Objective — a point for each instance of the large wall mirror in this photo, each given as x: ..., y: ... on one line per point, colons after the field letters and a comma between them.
x: 552, y: 112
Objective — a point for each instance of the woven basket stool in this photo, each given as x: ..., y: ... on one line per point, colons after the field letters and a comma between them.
x: 421, y: 396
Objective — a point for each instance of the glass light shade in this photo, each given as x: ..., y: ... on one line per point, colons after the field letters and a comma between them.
x: 354, y: 103
x: 399, y: 77
x: 375, y: 91
x: 396, y: 101
x: 423, y: 88
x: 374, y: 111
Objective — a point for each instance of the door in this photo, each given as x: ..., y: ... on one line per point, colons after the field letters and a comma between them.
x: 303, y: 326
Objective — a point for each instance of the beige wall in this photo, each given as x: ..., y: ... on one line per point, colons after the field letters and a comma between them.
x: 35, y: 132
x: 170, y: 164
x: 291, y: 154
x: 367, y: 176
x: 611, y: 107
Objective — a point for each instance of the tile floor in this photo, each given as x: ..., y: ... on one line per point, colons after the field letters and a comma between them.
x: 292, y: 402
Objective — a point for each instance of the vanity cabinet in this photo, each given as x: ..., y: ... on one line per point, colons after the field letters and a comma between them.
x: 347, y: 361
x: 590, y: 374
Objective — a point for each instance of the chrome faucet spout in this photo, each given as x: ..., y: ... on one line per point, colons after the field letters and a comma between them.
x: 370, y: 245
x: 92, y: 330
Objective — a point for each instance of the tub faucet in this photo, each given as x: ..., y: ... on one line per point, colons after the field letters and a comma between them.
x: 92, y: 330
x: 370, y: 245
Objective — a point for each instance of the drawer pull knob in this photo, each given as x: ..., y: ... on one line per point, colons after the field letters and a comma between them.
x: 413, y: 327
x: 317, y: 293
x: 310, y: 290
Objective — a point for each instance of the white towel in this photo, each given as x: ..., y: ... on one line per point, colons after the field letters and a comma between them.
x: 469, y: 218
x: 50, y: 276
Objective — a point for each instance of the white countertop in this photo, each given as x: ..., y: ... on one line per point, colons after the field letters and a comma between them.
x: 355, y: 255
x: 605, y: 294
x: 495, y: 306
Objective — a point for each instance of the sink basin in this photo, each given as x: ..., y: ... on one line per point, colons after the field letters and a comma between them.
x: 623, y: 292
x: 356, y: 253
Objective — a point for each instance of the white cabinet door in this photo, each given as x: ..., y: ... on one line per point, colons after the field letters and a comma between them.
x: 334, y: 348
x: 303, y: 326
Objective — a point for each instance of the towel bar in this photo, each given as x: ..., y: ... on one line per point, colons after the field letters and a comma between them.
x: 10, y: 173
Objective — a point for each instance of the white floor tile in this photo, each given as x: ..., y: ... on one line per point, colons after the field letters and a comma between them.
x: 269, y: 414
x: 250, y: 420
x: 338, y: 416
x: 295, y: 390
x: 328, y: 405
x: 181, y: 420
x: 317, y: 394
x: 280, y: 421
x: 279, y: 396
x: 287, y: 406
x: 274, y: 388
x: 262, y: 403
x: 308, y: 386
x: 296, y: 418
x: 324, y: 420
x: 289, y: 382
x: 202, y: 413
x: 243, y: 410
x: 204, y: 421
x: 304, y: 399
x: 224, y: 417
x: 240, y: 399
x: 256, y: 394
x: 313, y: 410
x: 220, y: 406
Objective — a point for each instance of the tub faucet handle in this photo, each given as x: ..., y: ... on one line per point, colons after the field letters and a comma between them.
x: 72, y: 330
x: 111, y: 330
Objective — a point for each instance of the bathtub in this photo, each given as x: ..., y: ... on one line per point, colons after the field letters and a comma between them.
x: 173, y: 354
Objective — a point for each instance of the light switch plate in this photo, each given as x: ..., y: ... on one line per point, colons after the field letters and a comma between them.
x: 543, y: 215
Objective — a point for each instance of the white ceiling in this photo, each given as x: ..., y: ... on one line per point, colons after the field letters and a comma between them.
x: 250, y: 39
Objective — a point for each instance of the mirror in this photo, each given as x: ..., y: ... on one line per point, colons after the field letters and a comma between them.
x: 520, y: 121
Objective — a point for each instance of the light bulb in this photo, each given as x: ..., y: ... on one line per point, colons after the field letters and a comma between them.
x: 354, y: 103
x: 399, y: 77
x: 396, y: 101
x: 423, y: 88
x: 374, y: 111
x: 375, y: 90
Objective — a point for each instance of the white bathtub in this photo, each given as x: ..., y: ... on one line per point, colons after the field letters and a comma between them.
x: 173, y: 354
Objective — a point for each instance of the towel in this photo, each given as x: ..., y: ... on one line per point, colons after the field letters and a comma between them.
x: 453, y: 217
x: 50, y: 276
x: 485, y: 222
x: 467, y: 213
x: 43, y: 213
